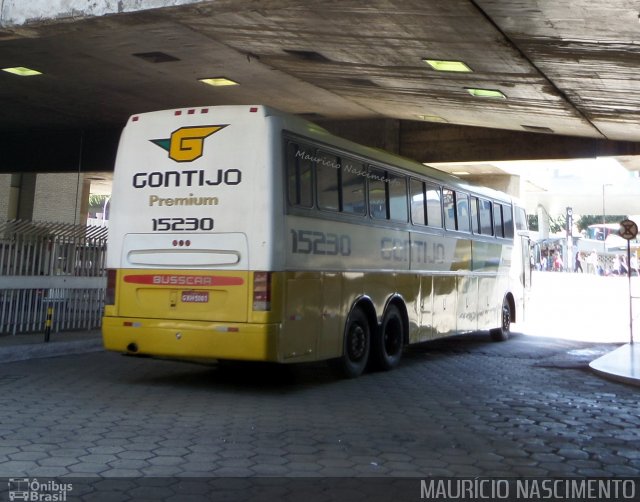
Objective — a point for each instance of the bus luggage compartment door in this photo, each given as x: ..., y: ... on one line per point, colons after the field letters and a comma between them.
x: 444, y: 304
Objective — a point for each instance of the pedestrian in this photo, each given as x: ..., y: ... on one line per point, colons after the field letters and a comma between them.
x: 616, y: 268
x: 557, y: 262
x: 624, y: 270
x: 578, y: 265
x: 592, y: 263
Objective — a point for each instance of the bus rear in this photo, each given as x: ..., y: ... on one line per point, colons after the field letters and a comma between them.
x: 189, y: 251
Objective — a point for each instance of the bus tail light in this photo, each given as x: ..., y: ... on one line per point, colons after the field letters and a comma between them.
x: 262, y: 291
x: 110, y: 294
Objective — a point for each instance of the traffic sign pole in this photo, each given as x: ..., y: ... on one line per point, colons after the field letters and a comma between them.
x: 629, y: 230
x: 630, y: 292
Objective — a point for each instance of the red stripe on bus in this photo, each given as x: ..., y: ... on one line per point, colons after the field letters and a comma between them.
x: 184, y: 280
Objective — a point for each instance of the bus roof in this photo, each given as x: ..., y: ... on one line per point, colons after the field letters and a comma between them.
x: 303, y: 127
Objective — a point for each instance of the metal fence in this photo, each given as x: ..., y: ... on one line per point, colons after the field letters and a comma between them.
x: 51, y: 265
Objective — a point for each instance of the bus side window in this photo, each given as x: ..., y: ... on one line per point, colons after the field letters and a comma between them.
x: 508, y: 221
x: 475, y: 217
x: 353, y: 187
x: 449, y: 209
x: 377, y: 193
x: 462, y: 207
x: 418, y: 206
x: 434, y: 205
x: 486, y: 220
x: 327, y: 181
x: 397, y: 197
x: 497, y: 219
x: 299, y: 169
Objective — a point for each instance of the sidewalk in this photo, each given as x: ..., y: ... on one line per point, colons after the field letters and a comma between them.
x: 589, y: 308
x: 623, y: 364
x: 32, y: 346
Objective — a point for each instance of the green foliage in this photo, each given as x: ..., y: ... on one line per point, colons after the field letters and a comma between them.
x: 96, y: 202
x: 594, y: 219
x: 557, y: 224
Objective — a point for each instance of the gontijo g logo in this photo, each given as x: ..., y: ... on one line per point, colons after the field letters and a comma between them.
x: 187, y: 143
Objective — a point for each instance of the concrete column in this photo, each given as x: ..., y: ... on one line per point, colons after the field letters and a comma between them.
x: 543, y: 222
x: 60, y: 197
x: 5, y: 196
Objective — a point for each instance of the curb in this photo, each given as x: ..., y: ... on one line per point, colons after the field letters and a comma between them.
x: 36, y: 351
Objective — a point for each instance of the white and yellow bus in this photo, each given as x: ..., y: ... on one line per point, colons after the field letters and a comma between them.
x: 242, y: 233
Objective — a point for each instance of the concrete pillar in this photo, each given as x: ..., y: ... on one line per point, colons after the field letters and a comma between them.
x: 60, y: 197
x: 543, y: 222
x: 5, y: 196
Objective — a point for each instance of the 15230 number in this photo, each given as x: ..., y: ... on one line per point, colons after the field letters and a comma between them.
x: 181, y: 224
x: 314, y: 242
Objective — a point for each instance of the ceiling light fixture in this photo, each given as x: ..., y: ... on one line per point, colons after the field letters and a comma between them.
x: 218, y: 81
x: 22, y: 71
x: 431, y: 118
x: 444, y: 65
x: 486, y: 93
x: 539, y: 129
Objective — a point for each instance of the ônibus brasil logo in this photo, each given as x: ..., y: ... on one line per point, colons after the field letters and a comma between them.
x: 187, y: 143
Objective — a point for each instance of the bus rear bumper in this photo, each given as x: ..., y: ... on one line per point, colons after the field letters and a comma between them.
x: 191, y: 339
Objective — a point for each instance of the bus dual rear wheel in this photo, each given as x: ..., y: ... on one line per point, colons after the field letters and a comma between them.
x: 357, y: 345
x: 387, y: 346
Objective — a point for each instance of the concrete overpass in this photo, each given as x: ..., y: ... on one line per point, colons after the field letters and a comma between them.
x: 541, y: 79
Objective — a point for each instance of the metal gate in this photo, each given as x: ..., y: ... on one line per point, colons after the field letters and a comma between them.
x: 55, y: 265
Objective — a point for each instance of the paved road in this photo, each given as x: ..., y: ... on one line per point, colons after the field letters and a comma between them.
x: 460, y: 407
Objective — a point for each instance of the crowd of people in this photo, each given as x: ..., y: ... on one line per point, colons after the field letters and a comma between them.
x: 589, y: 263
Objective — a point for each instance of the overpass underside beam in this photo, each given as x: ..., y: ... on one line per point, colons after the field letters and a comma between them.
x: 428, y: 142
x: 60, y: 151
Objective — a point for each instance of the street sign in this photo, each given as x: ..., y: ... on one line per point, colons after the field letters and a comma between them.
x: 628, y: 229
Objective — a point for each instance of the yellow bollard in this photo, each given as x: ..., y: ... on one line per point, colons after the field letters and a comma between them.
x: 47, y: 324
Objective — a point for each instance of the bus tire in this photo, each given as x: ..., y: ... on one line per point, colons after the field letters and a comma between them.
x: 387, y: 345
x: 356, y: 345
x: 502, y: 333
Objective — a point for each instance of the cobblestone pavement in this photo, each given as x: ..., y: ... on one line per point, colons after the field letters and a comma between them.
x: 458, y: 407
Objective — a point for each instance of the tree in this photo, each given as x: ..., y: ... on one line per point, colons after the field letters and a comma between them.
x: 596, y: 219
x: 96, y: 203
x: 557, y: 224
